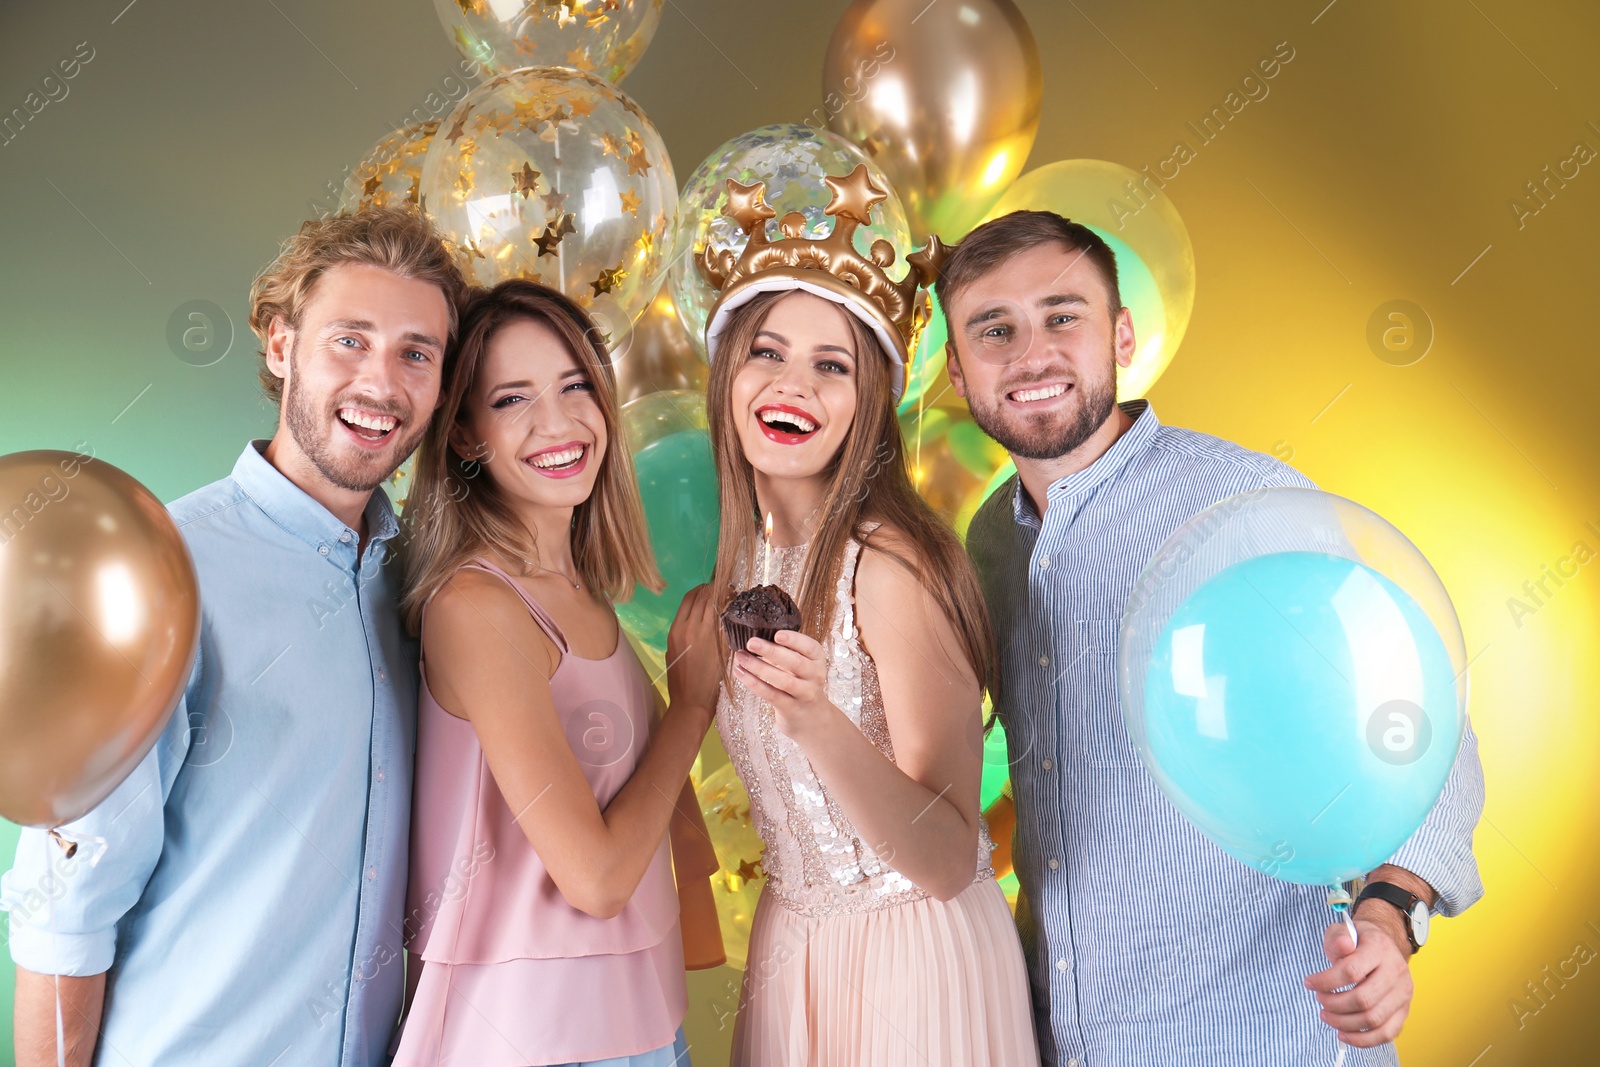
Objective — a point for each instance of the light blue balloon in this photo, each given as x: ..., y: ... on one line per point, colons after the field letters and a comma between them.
x: 1301, y: 710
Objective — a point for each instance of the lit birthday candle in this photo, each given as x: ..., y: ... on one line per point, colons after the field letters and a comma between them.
x: 766, y: 552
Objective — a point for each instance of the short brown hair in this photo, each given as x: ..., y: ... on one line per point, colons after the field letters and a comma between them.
x: 452, y: 515
x: 998, y: 240
x: 399, y: 239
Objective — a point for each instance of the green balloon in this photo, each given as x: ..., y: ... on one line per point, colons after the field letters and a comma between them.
x: 974, y: 450
x: 1001, y: 477
x: 678, y: 483
x: 996, y: 769
x: 923, y: 429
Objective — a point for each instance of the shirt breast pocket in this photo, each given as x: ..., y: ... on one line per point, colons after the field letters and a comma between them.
x: 1102, y: 731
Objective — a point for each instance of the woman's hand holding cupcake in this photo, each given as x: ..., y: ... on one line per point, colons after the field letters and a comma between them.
x: 790, y: 672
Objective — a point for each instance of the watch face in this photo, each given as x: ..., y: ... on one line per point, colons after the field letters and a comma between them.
x: 1419, y: 923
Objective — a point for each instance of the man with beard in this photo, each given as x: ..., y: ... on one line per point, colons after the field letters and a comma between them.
x: 1146, y: 943
x: 239, y: 898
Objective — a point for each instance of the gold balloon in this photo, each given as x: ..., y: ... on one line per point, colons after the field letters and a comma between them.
x: 737, y: 885
x: 98, y: 635
x: 657, y: 354
x: 390, y: 175
x: 944, y: 97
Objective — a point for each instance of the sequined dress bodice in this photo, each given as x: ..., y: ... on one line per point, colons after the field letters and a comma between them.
x: 815, y: 862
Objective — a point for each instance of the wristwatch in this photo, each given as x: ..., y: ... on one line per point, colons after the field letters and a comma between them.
x: 1410, y: 906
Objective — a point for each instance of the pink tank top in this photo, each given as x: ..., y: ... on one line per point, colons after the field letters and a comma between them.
x: 479, y: 893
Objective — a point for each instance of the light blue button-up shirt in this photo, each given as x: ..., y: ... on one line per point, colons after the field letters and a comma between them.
x: 1146, y: 943
x: 245, y: 886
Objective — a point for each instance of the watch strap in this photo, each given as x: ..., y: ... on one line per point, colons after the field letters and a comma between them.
x: 1402, y: 900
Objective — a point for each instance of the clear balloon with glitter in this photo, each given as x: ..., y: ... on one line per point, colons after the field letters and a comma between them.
x: 602, y: 37
x: 556, y: 176
x: 792, y: 160
x: 390, y: 175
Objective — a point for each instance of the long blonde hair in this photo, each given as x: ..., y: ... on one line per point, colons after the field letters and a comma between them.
x: 868, y: 481
x: 454, y: 513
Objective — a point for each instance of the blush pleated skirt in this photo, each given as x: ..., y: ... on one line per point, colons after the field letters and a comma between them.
x: 927, y: 983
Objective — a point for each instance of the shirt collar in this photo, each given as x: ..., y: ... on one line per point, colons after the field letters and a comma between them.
x: 293, y: 509
x: 1124, y: 448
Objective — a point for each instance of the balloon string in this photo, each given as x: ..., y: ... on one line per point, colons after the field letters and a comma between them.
x: 1339, y: 900
x: 55, y: 950
x: 922, y: 405
x: 561, y: 256
x: 69, y: 848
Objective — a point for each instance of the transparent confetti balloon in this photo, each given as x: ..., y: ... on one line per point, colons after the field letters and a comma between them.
x: 554, y: 175
x: 792, y: 159
x: 736, y: 887
x: 1293, y: 675
x: 390, y: 175
x: 603, y: 37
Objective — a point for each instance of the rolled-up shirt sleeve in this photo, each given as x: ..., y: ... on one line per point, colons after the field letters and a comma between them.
x: 1440, y: 851
x: 64, y: 910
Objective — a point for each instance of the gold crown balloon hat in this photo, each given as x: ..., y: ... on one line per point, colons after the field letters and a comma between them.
x: 829, y: 267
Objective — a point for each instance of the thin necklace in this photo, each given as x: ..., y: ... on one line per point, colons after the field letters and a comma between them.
x: 575, y: 584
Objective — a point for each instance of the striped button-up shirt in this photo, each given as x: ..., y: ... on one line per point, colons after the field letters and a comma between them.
x: 1146, y: 943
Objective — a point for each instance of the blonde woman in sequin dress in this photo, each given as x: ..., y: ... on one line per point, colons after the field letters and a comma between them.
x: 881, y: 937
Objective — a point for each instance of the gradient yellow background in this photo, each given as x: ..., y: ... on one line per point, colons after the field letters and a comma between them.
x: 1380, y: 167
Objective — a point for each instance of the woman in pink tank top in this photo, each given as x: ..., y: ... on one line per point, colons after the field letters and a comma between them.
x: 542, y: 919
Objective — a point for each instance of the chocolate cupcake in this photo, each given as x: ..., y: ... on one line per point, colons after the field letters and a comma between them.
x: 759, y: 612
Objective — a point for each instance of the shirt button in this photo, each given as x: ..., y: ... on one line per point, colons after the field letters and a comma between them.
x: 1055, y: 865
x: 1044, y: 661
x: 372, y: 876
x: 344, y: 538
x: 1047, y: 763
x: 379, y: 775
x: 1044, y: 562
x: 1063, y: 966
x: 382, y: 676
x: 1072, y: 1063
x: 322, y: 550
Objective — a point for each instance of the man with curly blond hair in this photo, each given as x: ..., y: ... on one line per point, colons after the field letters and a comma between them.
x: 239, y: 898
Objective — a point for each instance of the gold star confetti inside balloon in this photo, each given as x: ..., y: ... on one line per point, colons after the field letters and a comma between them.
x: 389, y: 174
x: 605, y: 37
x: 737, y: 886
x: 608, y: 279
x: 529, y: 191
